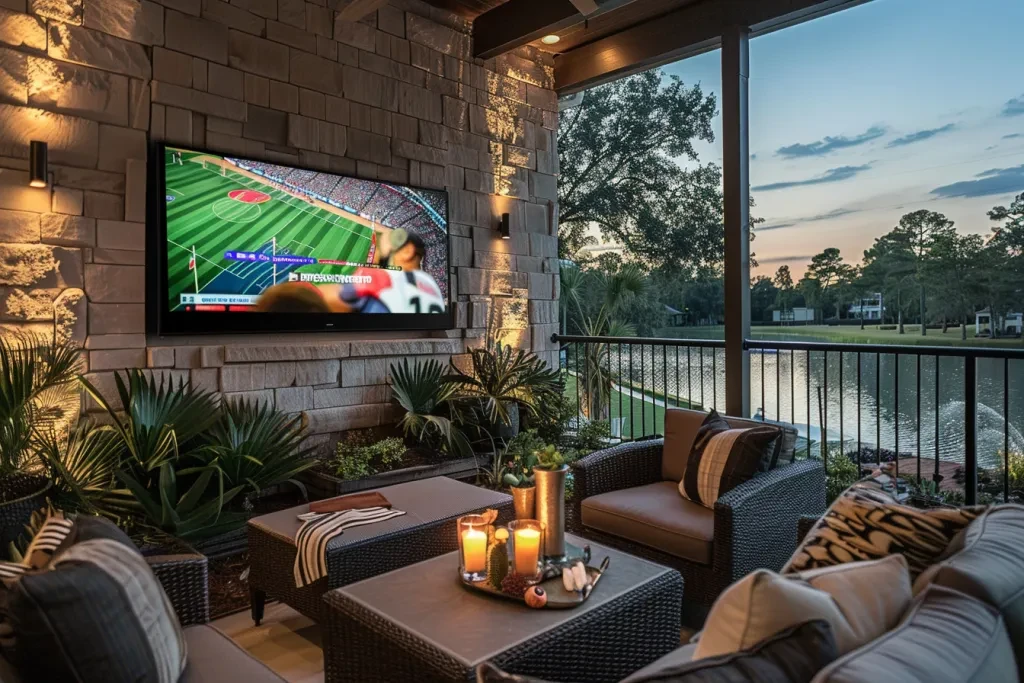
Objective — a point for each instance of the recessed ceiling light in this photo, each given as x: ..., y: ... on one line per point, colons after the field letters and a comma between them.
x: 550, y: 39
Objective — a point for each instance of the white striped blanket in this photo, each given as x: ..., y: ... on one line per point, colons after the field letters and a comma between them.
x: 318, y: 530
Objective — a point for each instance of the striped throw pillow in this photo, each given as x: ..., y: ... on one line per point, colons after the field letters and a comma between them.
x: 722, y: 459
x: 41, y: 548
x: 95, y: 614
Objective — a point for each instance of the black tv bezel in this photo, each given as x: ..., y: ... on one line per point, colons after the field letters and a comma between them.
x: 164, y: 322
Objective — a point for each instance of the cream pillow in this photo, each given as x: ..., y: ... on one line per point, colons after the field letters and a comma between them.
x: 859, y: 600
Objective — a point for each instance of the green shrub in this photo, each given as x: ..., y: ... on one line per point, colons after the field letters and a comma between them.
x: 592, y: 436
x: 842, y: 473
x: 356, y: 458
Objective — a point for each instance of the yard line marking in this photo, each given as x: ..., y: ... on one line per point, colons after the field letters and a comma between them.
x: 176, y: 191
x: 202, y: 257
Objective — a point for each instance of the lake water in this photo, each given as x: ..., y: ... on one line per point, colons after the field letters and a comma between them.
x: 871, y: 410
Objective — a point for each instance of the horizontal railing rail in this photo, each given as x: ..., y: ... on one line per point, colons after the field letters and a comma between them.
x: 953, y: 415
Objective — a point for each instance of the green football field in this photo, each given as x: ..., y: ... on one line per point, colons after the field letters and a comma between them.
x: 201, y: 213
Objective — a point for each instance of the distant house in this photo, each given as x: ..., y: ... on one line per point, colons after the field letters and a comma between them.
x: 676, y: 318
x: 869, y: 308
x: 794, y: 315
x: 1011, y: 323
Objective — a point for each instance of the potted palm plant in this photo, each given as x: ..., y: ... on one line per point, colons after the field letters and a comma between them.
x: 37, y: 398
x: 503, y: 380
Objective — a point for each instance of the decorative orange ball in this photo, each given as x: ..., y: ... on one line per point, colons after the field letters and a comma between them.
x: 536, y: 597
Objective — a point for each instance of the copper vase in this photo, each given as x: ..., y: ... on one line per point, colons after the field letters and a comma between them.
x: 551, y: 508
x: 523, y: 499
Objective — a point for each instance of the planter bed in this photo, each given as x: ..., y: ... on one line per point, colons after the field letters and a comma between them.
x: 321, y: 484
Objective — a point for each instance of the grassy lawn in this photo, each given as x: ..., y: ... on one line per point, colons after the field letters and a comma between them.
x: 646, y: 419
x: 847, y: 335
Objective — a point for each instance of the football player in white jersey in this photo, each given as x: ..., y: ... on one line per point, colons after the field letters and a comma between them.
x: 409, y: 290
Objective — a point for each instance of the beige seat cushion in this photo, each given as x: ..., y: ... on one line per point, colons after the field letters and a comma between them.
x: 654, y: 515
x: 945, y: 637
x: 215, y: 658
x: 681, y: 427
x: 986, y: 561
x: 860, y: 601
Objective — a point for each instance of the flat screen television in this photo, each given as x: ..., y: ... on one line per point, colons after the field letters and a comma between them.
x: 241, y: 245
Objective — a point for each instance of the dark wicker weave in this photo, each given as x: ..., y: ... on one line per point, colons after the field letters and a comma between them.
x: 186, y: 582
x: 804, y: 524
x: 755, y: 523
x: 272, y: 561
x: 24, y: 494
x: 603, y: 644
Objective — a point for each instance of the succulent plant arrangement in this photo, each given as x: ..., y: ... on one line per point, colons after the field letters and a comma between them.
x: 549, y: 458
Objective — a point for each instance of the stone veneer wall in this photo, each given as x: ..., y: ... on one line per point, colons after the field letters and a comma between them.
x: 396, y: 96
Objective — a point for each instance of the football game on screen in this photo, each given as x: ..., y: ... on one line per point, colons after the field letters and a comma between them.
x: 253, y: 236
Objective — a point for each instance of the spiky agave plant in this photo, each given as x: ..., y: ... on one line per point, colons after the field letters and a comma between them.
x: 501, y: 376
x: 424, y: 391
x: 256, y: 446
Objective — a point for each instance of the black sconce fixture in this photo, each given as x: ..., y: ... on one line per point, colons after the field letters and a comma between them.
x: 38, y: 171
x: 503, y: 228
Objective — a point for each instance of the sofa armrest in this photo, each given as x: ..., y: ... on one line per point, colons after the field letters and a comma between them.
x: 756, y: 522
x: 635, y: 463
x: 185, y: 579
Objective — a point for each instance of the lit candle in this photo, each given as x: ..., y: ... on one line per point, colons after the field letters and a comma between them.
x: 527, y: 543
x: 474, y: 550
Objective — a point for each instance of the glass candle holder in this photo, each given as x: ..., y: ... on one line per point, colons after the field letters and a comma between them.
x: 473, y: 532
x: 526, y: 538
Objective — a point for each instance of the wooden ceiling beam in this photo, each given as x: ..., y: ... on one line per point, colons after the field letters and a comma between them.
x: 688, y: 31
x: 519, y: 22
x: 354, y: 10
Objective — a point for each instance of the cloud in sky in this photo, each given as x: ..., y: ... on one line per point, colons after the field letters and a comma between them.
x: 1014, y: 107
x: 832, y: 175
x: 992, y: 181
x: 920, y: 135
x: 829, y: 144
x: 784, y: 259
x: 793, y: 222
x: 1011, y: 136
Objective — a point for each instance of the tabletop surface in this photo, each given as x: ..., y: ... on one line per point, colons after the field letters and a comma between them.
x: 428, y: 601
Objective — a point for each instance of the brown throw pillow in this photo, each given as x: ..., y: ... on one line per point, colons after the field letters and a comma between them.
x: 723, y: 458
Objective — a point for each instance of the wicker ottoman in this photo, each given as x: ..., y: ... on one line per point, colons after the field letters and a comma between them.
x: 420, y: 624
x: 427, y: 529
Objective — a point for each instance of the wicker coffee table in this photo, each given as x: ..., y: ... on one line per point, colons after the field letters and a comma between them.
x: 427, y: 529
x: 420, y: 624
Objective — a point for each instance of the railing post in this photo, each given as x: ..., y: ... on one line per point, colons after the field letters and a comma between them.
x: 971, y: 430
x: 736, y: 199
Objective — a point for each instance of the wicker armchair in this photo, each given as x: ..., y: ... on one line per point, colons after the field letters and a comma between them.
x: 185, y: 579
x: 755, y: 524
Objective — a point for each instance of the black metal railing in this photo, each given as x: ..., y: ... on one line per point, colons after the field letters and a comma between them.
x: 953, y: 416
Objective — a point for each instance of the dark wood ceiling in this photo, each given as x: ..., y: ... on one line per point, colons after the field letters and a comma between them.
x: 611, y: 22
x: 470, y: 9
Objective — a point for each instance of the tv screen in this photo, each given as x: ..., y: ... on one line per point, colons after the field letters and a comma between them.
x: 247, y: 245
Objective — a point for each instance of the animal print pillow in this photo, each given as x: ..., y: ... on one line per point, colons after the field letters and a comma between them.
x: 866, y: 523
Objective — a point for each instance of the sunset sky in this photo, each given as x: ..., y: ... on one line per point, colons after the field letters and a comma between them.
x: 870, y: 113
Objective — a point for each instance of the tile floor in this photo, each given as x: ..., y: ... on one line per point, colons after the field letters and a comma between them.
x: 286, y: 641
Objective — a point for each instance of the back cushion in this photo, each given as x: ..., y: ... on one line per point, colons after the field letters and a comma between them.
x: 987, y: 562
x: 96, y: 614
x: 945, y: 637
x: 681, y: 428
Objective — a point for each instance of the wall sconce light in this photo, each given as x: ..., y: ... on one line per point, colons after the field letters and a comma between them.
x: 503, y: 227
x: 38, y: 171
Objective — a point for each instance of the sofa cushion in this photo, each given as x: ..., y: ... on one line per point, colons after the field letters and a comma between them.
x: 986, y: 561
x: 945, y: 637
x: 96, y: 614
x: 847, y: 597
x: 681, y: 427
x: 215, y: 658
x: 723, y: 460
x: 654, y: 515
x: 864, y: 523
x: 791, y: 656
x: 678, y: 657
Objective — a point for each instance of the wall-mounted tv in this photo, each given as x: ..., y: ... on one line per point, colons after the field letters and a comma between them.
x: 241, y: 245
